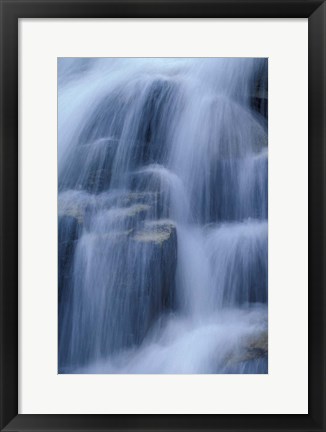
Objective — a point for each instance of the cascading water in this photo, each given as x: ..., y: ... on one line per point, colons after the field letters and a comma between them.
x: 162, y: 215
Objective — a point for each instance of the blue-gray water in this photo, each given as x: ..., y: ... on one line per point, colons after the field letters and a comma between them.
x: 162, y: 200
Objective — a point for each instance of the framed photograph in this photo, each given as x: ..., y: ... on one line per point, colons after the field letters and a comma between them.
x: 162, y: 215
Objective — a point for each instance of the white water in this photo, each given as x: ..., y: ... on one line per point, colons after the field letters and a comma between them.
x: 162, y: 216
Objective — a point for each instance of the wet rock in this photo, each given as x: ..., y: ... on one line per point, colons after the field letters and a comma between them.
x: 146, y: 283
x: 68, y: 231
x: 149, y: 183
x: 251, y: 356
x: 131, y: 198
x: 258, y: 93
x: 259, y: 103
x: 253, y: 348
x: 96, y: 158
x: 113, y: 237
x: 108, y: 115
x: 98, y: 180
x: 239, y: 262
x: 135, y: 210
x: 134, y: 272
x: 119, y: 219
x: 158, y: 232
x: 82, y: 205
x: 158, y: 239
x: 238, y: 190
x: 259, y: 97
x: 73, y: 210
x: 157, y: 112
x: 146, y: 200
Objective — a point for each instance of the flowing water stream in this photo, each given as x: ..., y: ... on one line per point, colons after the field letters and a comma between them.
x: 162, y: 204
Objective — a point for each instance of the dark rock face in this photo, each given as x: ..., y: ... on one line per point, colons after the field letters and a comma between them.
x: 152, y: 260
x: 260, y: 104
x: 107, y: 120
x: 237, y: 190
x: 248, y: 284
x: 69, y: 230
x: 152, y: 252
x: 139, y: 287
x: 239, y: 263
x: 160, y: 239
x: 95, y: 148
x: 234, y: 186
x: 259, y: 99
x: 96, y: 158
x: 101, y: 143
x: 68, y: 234
x: 147, y: 199
x: 158, y: 109
x: 250, y: 357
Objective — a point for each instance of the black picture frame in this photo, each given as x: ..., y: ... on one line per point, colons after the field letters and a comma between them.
x: 11, y: 12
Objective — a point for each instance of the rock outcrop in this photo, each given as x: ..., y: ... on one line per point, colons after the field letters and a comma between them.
x: 68, y: 232
x: 250, y: 355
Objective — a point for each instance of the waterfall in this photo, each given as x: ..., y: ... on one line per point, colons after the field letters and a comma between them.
x: 162, y: 215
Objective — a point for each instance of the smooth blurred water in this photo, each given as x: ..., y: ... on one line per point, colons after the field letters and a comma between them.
x: 163, y: 206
